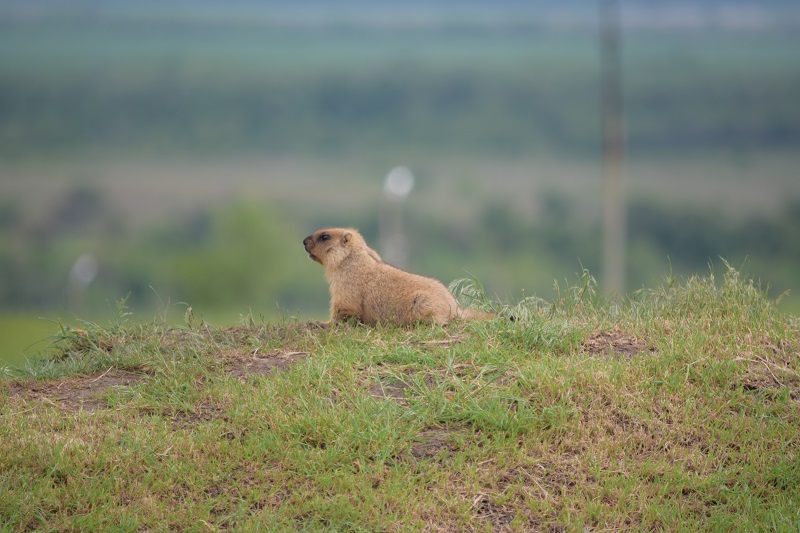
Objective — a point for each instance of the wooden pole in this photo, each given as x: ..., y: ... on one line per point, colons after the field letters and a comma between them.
x: 613, y: 150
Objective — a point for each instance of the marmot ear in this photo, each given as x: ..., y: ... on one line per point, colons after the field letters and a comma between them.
x: 346, y: 238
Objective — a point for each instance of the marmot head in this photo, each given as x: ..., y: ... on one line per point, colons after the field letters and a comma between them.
x: 330, y: 246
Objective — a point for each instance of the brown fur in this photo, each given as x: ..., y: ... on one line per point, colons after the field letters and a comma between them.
x: 365, y: 288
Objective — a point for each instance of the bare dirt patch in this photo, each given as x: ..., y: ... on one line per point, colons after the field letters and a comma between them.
x: 202, y: 413
x: 245, y: 365
x: 772, y: 366
x: 391, y: 389
x: 394, y: 387
x: 444, y: 343
x: 498, y: 516
x: 615, y: 342
x: 431, y: 442
x: 767, y: 377
x: 76, y: 393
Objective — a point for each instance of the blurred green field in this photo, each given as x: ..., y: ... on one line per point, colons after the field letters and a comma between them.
x: 24, y: 337
x: 310, y: 40
x: 160, y: 83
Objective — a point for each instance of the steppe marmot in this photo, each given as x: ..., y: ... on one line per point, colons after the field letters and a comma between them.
x: 365, y: 288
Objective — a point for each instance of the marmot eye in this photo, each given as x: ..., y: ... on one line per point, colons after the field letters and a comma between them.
x: 324, y: 237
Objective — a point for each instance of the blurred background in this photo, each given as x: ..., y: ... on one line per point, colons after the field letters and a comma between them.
x: 176, y: 153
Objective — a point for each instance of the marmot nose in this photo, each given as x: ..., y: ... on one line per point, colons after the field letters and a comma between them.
x: 306, y: 241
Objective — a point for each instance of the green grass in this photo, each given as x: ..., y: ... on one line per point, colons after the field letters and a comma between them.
x: 675, y: 409
x: 25, y: 337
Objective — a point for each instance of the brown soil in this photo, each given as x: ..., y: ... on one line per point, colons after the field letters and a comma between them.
x: 498, y: 516
x: 393, y: 390
x: 431, y: 442
x: 615, y: 342
x: 244, y: 365
x: 771, y: 369
x: 444, y: 343
x: 76, y: 393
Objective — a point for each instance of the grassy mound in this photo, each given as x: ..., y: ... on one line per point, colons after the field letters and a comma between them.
x: 677, y: 408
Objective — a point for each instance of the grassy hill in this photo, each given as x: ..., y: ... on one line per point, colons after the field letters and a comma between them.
x: 679, y: 408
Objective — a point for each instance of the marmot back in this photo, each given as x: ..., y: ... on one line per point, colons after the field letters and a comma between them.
x: 363, y: 287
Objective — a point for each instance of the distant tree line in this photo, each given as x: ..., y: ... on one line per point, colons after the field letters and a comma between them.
x: 162, y: 112
x: 244, y: 256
